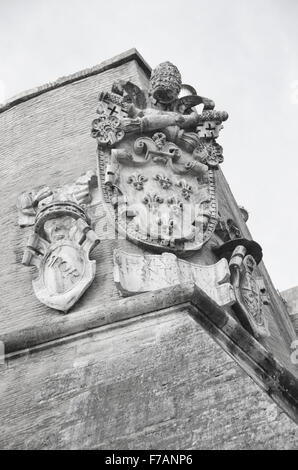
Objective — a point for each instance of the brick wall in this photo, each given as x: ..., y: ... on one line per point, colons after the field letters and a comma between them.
x: 157, y: 381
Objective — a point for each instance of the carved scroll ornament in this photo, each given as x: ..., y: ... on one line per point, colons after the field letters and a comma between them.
x: 142, y: 273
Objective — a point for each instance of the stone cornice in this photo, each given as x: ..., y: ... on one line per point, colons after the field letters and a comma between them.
x: 65, y: 326
x: 274, y: 378
x: 131, y: 54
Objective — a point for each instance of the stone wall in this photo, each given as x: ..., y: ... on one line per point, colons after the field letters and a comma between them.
x: 155, y: 382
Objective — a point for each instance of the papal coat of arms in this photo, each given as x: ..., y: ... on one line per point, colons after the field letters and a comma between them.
x: 157, y: 161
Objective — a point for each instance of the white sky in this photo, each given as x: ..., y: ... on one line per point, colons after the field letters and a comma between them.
x: 240, y: 53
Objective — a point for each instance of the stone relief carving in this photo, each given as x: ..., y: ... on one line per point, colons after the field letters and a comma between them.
x: 137, y: 180
x: 244, y: 213
x: 209, y: 153
x: 164, y: 181
x: 153, y: 147
x: 61, y: 242
x: 250, y: 291
x: 227, y: 229
x: 136, y: 273
x: 158, y: 157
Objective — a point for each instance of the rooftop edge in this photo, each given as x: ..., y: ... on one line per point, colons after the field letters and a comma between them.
x: 116, y: 61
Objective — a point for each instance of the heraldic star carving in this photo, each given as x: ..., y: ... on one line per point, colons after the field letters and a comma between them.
x: 61, y: 242
x: 157, y: 161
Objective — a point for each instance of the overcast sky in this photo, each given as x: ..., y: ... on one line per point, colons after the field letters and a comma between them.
x: 240, y: 53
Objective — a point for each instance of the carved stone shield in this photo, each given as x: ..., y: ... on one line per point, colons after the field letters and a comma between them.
x: 162, y: 196
x: 253, y: 297
x: 65, y: 272
x: 60, y: 248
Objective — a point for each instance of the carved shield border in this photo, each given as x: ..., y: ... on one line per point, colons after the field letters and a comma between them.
x: 65, y: 300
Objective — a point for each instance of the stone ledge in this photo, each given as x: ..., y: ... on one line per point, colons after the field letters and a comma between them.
x: 131, y: 54
x: 67, y: 325
x: 274, y: 378
x: 280, y: 384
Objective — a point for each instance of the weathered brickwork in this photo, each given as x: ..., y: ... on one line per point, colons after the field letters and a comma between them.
x: 157, y: 381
